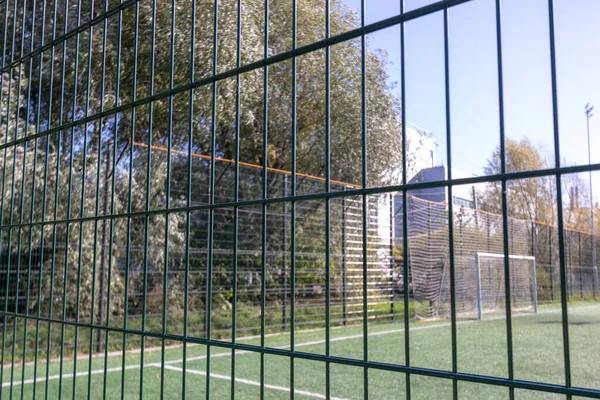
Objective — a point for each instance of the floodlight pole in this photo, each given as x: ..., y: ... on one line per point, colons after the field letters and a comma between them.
x: 589, y: 112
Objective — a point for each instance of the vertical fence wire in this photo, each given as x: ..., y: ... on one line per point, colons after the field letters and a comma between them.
x: 328, y: 200
x: 293, y: 192
x: 505, y: 221
x: 81, y: 206
x: 188, y: 216
x: 25, y: 321
x: 265, y: 160
x: 236, y: 195
x: 168, y: 200
x: 559, y: 205
x: 148, y: 197
x: 450, y: 205
x: 4, y: 318
x: 365, y: 197
x: 404, y: 198
x: 31, y: 211
x: 96, y: 205
x: 10, y: 230
x: 211, y: 199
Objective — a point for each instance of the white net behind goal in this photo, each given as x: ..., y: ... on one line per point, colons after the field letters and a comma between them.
x: 480, y: 285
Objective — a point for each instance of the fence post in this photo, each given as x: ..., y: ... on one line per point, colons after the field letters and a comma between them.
x: 489, y: 234
x: 534, y: 291
x: 489, y: 249
x: 207, y: 301
x: 392, y: 256
x: 594, y: 266
x: 284, y: 241
x: 344, y: 277
x: 570, y: 264
x: 532, y: 239
x: 550, y: 263
x: 461, y: 255
x: 534, y: 266
x: 594, y: 280
x: 511, y: 250
x: 580, y: 268
x: 479, y: 296
x: 431, y: 308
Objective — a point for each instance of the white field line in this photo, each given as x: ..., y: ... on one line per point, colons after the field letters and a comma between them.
x: 119, y: 353
x: 223, y: 354
x: 357, y: 336
x: 304, y: 344
x: 55, y: 377
x: 249, y: 382
x: 228, y: 353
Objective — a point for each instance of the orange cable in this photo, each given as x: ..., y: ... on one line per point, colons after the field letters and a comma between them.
x: 247, y: 164
x: 343, y: 183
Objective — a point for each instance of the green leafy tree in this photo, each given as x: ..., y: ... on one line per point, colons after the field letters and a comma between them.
x: 118, y: 163
x: 530, y: 199
x: 534, y: 199
x: 112, y: 74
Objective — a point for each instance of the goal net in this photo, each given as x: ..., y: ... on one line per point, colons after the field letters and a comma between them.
x: 480, y: 282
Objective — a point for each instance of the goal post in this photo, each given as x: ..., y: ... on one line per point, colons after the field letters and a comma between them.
x: 480, y: 296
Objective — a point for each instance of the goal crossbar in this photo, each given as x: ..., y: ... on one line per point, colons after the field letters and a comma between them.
x: 511, y: 256
x: 480, y: 255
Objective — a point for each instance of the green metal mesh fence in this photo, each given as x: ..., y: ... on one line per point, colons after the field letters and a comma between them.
x: 205, y: 198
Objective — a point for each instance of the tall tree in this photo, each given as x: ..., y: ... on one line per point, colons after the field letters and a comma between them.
x: 534, y: 199
x: 163, y: 60
x: 88, y: 169
x: 530, y: 199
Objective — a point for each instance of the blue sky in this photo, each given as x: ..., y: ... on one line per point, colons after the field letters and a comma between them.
x: 474, y: 75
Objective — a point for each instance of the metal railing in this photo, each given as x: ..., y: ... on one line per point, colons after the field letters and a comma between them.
x: 102, y: 112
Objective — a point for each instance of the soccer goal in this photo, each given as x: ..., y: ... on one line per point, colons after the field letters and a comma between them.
x: 490, y: 282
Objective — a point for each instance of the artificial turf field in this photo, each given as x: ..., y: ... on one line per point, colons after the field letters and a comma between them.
x: 481, y: 349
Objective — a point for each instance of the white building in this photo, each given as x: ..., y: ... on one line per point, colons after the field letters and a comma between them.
x: 420, y: 155
x: 420, y: 150
x: 462, y: 195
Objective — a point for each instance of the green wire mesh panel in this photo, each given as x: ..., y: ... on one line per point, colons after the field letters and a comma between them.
x: 214, y: 198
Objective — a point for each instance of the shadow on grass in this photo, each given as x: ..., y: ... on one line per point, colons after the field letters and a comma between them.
x: 570, y: 323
